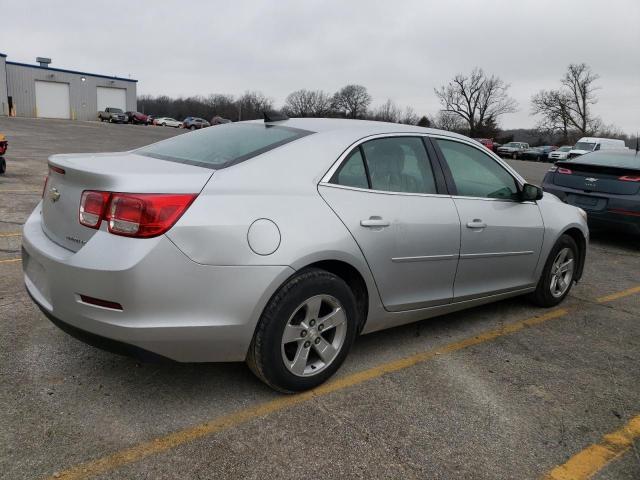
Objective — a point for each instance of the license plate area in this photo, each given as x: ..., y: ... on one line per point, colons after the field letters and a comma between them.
x: 37, y: 275
x: 587, y: 202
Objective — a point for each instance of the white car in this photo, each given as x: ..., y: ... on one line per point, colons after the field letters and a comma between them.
x: 561, y: 153
x: 168, y: 122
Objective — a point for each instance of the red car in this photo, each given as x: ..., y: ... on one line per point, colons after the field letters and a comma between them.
x: 136, y: 117
x: 3, y: 149
x: 487, y: 142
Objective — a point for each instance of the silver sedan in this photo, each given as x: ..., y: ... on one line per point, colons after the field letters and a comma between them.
x: 278, y: 242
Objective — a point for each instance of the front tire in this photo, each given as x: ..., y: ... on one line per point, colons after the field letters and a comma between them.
x: 558, y: 274
x: 305, y: 332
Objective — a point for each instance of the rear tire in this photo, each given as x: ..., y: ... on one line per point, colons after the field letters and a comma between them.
x: 558, y: 274
x: 192, y: 127
x: 3, y: 166
x: 305, y: 332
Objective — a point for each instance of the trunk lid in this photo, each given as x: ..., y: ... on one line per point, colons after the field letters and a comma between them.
x: 112, y: 172
x: 597, y: 178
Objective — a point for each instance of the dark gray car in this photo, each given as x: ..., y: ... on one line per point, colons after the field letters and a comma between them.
x: 605, y: 184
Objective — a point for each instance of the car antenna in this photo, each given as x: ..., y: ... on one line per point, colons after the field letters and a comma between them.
x: 272, y: 116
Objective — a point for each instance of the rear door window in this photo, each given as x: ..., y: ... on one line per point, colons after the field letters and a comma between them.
x: 399, y: 164
x: 224, y: 145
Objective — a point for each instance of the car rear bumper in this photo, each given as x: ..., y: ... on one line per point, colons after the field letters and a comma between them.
x: 171, y: 306
x: 610, y: 212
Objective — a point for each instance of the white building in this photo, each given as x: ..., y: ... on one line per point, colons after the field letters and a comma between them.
x: 46, y: 92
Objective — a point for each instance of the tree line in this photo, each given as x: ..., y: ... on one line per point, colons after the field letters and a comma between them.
x: 471, y: 104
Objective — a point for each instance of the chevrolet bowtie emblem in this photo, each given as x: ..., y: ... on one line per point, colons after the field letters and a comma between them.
x: 591, y: 179
x: 54, y: 194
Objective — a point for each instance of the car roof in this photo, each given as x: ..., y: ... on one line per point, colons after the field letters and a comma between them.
x: 612, y: 158
x: 359, y: 128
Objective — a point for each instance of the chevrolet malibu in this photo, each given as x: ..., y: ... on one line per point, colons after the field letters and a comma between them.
x: 278, y: 242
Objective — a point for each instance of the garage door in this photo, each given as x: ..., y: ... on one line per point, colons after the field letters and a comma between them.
x: 52, y: 99
x: 112, y: 97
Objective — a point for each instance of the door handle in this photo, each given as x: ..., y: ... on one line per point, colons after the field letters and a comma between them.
x: 476, y: 223
x: 374, y: 222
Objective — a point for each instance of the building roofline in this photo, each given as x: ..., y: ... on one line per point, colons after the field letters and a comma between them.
x: 69, y: 71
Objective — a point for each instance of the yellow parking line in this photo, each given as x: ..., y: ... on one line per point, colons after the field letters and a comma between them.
x: 172, y: 440
x: 140, y: 451
x: 14, y: 234
x: 10, y: 260
x: 617, y: 295
x: 583, y: 465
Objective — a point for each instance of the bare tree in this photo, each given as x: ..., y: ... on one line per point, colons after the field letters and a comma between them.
x: 568, y: 108
x: 387, y: 112
x: 308, y: 103
x: 222, y: 105
x: 409, y: 117
x: 352, y: 101
x: 476, y: 98
x: 579, y: 83
x: 446, y: 120
x: 552, y: 105
x: 252, y: 105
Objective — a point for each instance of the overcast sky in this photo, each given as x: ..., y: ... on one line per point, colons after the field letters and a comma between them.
x: 400, y: 50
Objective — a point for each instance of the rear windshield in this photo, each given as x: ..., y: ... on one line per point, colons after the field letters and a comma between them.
x: 223, y: 145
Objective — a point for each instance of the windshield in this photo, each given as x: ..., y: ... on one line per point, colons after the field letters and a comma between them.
x: 116, y: 110
x: 565, y: 149
x: 584, y: 146
x: 512, y: 144
x: 224, y: 145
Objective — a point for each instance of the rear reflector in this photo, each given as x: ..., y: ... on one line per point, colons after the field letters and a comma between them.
x: 630, y: 178
x: 139, y: 215
x: 564, y: 171
x: 100, y: 303
x: 57, y: 169
x: 44, y: 188
x: 624, y: 212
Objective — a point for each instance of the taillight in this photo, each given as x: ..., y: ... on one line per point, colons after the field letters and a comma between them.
x: 92, y: 207
x: 564, y: 171
x: 140, y: 215
x: 630, y: 178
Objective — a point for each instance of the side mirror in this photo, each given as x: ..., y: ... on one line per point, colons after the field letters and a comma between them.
x: 530, y: 193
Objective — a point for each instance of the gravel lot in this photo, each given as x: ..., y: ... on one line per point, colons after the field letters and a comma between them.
x: 510, y: 404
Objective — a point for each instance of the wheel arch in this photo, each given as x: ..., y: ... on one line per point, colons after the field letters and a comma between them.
x: 354, y: 279
x: 581, y: 241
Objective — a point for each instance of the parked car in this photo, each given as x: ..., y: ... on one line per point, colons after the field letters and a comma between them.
x: 487, y: 142
x: 219, y: 120
x: 537, y: 154
x: 593, y: 144
x: 4, y: 144
x: 167, y: 122
x: 112, y: 115
x: 150, y: 120
x: 512, y: 149
x: 606, y: 184
x: 289, y: 289
x: 194, y: 123
x: 561, y: 153
x: 137, y: 118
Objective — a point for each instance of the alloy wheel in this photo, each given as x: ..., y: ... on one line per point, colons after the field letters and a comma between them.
x: 314, y: 335
x: 562, y: 272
